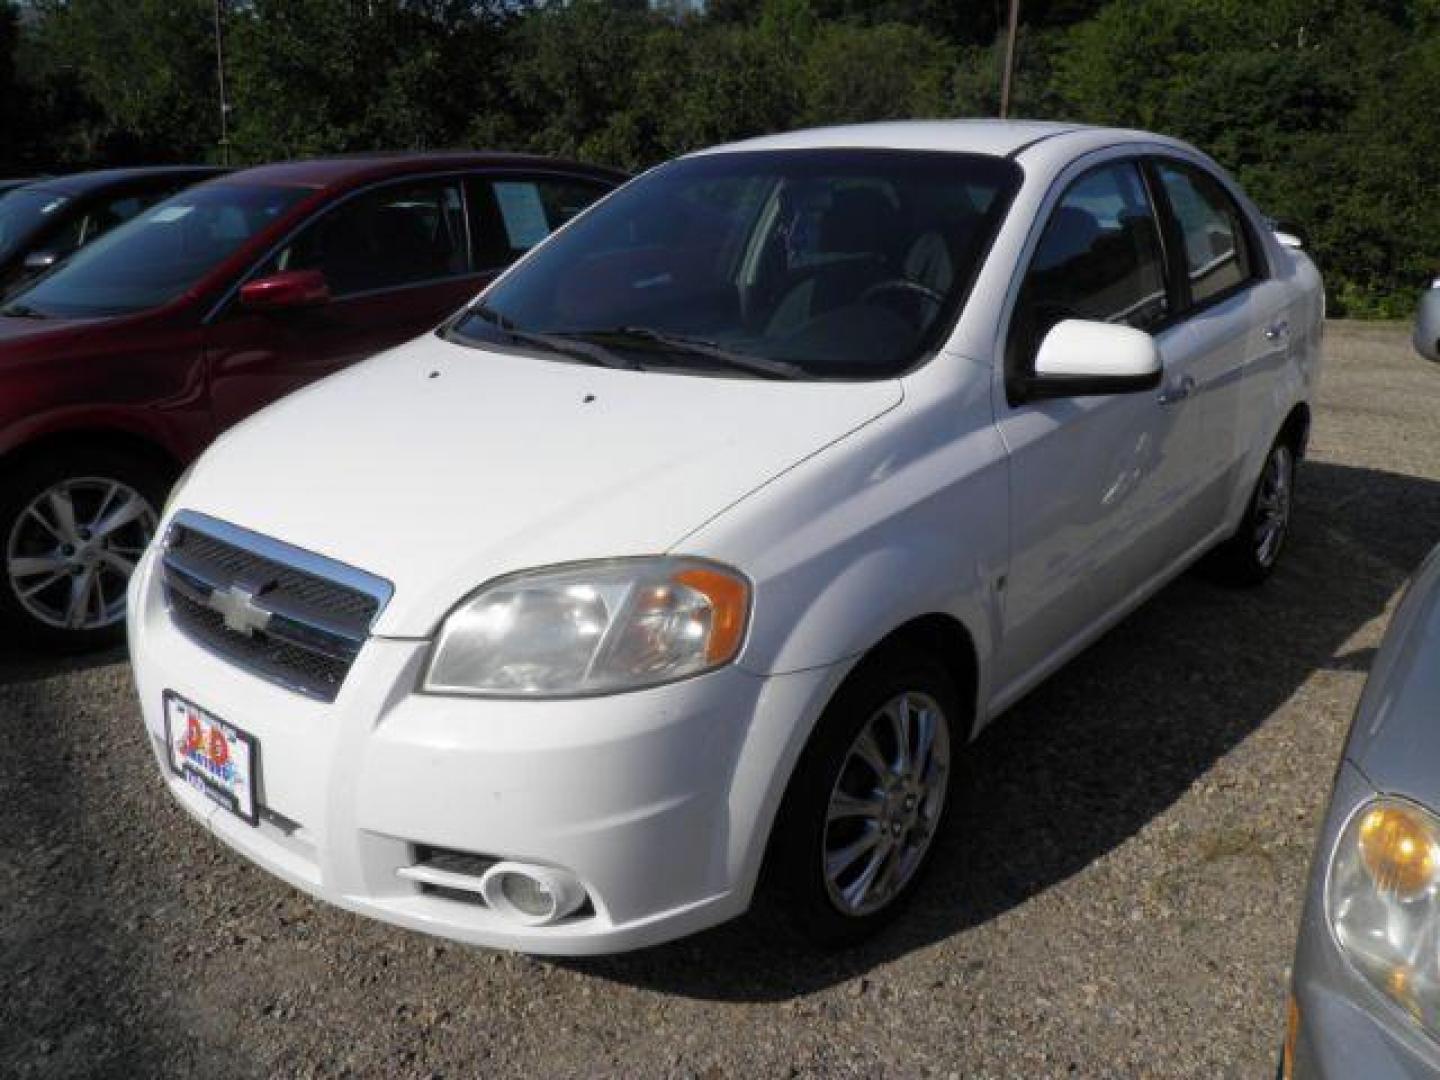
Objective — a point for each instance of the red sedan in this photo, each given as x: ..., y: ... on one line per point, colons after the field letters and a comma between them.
x: 120, y: 366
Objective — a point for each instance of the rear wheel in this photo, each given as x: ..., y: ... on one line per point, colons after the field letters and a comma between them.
x: 868, y: 798
x: 72, y: 527
x: 1250, y: 556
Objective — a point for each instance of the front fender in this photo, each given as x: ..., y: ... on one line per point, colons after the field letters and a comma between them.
x: 906, y: 518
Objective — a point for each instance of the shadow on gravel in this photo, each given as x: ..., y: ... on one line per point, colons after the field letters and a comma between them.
x: 18, y: 665
x: 70, y: 999
x: 1114, y: 738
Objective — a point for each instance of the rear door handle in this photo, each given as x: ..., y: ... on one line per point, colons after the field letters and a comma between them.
x: 1178, y: 390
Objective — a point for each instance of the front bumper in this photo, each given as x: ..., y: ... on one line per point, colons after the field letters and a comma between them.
x: 658, y: 801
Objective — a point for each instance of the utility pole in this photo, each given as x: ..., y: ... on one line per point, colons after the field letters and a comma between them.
x: 1009, y: 59
x: 220, y: 74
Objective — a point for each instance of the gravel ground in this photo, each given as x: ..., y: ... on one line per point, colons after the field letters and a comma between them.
x: 1119, y: 899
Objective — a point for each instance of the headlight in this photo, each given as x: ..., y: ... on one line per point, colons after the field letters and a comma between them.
x: 1383, y: 902
x: 591, y: 628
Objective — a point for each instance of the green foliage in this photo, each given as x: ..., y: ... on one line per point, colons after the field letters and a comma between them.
x: 146, y: 65
x: 1323, y: 108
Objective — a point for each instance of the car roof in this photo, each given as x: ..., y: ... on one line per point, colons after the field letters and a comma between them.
x: 999, y: 138
x: 87, y: 183
x: 351, y: 170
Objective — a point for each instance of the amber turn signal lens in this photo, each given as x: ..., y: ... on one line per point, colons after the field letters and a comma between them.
x: 1292, y: 1036
x: 729, y: 598
x: 1398, y: 850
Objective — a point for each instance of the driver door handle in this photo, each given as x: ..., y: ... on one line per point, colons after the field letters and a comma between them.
x: 1178, y: 390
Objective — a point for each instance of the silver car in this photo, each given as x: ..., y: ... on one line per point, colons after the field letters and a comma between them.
x: 1365, y: 993
x: 1427, y: 323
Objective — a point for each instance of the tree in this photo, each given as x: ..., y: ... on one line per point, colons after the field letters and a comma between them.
x: 147, y: 66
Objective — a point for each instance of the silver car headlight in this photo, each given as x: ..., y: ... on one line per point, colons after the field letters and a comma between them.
x: 591, y: 628
x: 1383, y: 902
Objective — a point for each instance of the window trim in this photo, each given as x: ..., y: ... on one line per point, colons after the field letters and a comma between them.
x: 1017, y: 373
x: 222, y: 305
x: 338, y: 205
x: 1259, y: 264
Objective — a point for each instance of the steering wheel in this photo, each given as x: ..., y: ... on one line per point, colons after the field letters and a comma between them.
x: 902, y: 285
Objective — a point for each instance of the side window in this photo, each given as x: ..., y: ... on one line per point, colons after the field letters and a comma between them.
x: 510, y: 215
x: 1216, y: 255
x: 398, y: 235
x: 103, y: 218
x: 1099, y: 258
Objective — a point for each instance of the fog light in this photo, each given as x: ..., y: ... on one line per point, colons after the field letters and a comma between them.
x: 534, y: 895
x: 529, y: 896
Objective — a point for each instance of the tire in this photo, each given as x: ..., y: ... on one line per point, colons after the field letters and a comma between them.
x: 44, y: 561
x: 1250, y: 556
x: 821, y: 905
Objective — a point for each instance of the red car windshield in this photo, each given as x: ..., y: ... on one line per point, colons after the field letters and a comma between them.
x: 159, y: 255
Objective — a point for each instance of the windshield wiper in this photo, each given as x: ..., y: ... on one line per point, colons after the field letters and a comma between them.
x: 710, y: 350
x: 22, y: 311
x: 565, y: 345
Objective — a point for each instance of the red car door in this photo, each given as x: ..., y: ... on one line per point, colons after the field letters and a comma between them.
x: 396, y: 260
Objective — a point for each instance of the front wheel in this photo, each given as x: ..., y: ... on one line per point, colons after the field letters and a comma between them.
x: 868, y: 798
x: 72, y: 528
x: 1249, y: 556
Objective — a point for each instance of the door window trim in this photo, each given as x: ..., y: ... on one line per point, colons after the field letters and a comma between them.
x: 1014, y: 372
x: 1260, y: 270
x: 221, y: 306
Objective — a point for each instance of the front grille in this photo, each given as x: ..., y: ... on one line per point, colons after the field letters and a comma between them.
x: 291, y: 617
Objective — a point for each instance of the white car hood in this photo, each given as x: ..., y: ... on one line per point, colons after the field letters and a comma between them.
x: 439, y: 467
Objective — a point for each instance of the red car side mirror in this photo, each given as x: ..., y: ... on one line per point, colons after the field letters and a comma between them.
x: 286, y: 291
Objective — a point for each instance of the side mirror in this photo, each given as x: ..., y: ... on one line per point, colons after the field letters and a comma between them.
x: 1289, y: 234
x: 1079, y: 358
x: 37, y: 261
x: 286, y: 291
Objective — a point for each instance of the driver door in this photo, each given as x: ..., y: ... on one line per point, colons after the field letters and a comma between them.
x: 397, y: 261
x: 1098, y: 483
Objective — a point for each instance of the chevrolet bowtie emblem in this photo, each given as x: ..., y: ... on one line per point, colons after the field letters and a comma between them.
x: 238, y: 607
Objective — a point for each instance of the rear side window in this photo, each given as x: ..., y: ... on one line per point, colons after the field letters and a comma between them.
x: 1099, y: 258
x: 1212, y: 230
x: 398, y: 235
x: 510, y: 215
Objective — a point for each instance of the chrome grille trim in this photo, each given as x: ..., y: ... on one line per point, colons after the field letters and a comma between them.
x: 292, y: 617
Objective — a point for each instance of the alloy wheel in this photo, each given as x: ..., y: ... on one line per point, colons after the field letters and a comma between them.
x: 71, y: 551
x: 886, y: 804
x: 1272, y: 505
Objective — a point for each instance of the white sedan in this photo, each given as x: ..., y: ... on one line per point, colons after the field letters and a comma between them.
x: 678, y: 570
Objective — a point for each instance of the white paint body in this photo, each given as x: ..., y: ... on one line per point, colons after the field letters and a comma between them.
x: 853, y: 508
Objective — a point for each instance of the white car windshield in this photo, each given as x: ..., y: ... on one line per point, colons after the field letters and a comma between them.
x: 835, y: 263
